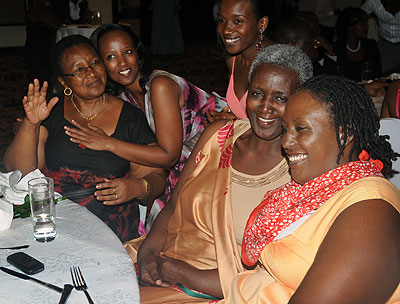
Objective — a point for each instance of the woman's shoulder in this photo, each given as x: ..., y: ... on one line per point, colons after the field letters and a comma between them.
x: 370, y: 188
x: 161, y: 74
x: 214, y: 128
x: 159, y: 79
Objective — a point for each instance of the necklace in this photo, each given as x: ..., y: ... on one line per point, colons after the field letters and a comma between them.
x: 356, y: 49
x: 88, y: 117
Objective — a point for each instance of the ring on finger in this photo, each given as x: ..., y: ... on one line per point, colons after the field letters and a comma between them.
x: 116, y: 196
x: 114, y: 190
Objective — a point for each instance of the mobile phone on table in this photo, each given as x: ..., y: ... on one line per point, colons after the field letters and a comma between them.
x: 25, y: 262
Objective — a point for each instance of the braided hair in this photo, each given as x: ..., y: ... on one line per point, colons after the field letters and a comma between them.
x: 352, y: 111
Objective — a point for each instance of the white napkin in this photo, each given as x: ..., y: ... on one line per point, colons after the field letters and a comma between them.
x: 14, y: 189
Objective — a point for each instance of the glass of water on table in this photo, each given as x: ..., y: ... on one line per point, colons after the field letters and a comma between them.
x: 43, y: 211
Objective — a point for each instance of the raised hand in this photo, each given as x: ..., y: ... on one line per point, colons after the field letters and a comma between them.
x: 35, y: 105
x: 91, y: 136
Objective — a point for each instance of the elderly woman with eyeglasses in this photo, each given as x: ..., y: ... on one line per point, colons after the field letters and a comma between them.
x: 109, y: 186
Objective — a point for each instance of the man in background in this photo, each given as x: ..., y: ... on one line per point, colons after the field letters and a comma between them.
x: 387, y: 13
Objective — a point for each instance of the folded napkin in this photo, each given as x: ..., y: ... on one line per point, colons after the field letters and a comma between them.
x: 14, y: 189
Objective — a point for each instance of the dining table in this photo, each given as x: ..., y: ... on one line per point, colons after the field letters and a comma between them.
x: 82, y: 240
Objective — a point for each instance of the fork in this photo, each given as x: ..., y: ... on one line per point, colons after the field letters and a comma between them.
x: 79, y: 282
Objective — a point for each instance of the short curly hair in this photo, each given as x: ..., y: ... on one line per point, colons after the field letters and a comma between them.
x: 287, y: 56
x: 65, y: 44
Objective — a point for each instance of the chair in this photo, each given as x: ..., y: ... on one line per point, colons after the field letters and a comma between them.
x: 391, y: 127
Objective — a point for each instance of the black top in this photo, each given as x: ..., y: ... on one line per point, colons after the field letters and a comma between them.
x: 353, y: 69
x: 76, y: 171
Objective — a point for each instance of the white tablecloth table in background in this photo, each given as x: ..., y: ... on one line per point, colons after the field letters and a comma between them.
x: 69, y: 30
x: 82, y: 240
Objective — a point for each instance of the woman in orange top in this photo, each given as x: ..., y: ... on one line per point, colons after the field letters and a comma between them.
x: 331, y: 234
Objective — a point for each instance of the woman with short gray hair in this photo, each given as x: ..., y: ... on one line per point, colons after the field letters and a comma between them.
x: 193, y: 243
x: 285, y: 55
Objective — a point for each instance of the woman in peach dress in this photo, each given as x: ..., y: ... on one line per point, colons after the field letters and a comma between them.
x: 331, y: 234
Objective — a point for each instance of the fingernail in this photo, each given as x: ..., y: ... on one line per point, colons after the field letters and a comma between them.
x: 82, y: 146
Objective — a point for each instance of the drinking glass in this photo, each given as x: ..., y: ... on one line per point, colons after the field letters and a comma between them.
x: 43, y: 211
x: 366, y: 73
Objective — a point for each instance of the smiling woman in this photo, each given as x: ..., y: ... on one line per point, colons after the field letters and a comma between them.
x: 108, y: 185
x: 307, y: 139
x: 337, y: 222
x: 174, y: 108
x: 194, y: 240
x: 241, y: 27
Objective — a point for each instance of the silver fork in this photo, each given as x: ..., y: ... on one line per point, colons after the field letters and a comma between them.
x: 79, y: 282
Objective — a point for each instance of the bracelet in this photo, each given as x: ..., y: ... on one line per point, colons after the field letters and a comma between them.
x: 147, y: 187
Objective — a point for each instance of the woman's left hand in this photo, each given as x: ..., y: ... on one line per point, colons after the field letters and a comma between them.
x: 119, y: 190
x: 90, y: 137
x: 174, y: 271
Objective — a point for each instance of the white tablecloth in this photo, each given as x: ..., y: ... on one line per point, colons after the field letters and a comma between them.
x: 68, y: 30
x: 82, y: 240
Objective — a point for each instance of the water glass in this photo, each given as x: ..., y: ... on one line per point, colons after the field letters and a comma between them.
x: 366, y: 73
x: 43, y: 211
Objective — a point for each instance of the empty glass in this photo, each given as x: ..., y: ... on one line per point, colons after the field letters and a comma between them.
x: 366, y: 73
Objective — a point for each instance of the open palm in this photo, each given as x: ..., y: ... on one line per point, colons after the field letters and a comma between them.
x: 35, y: 105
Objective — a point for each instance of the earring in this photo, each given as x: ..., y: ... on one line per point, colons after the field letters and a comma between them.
x: 67, y: 91
x: 259, y: 44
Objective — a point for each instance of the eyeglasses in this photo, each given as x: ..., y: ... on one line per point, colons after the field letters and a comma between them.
x: 81, y: 72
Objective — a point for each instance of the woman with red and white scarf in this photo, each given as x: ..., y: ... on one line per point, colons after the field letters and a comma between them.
x: 331, y: 234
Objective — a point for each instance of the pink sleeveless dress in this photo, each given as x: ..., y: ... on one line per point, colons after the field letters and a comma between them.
x: 238, y: 107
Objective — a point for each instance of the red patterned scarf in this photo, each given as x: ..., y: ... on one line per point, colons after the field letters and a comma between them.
x: 287, y: 204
